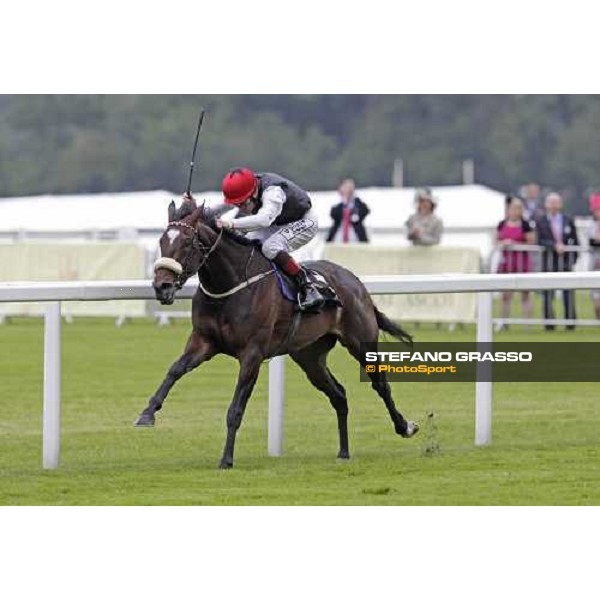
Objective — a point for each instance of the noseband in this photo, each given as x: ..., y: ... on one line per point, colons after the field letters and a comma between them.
x: 183, y: 271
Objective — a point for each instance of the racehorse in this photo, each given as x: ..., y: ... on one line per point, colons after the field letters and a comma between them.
x: 239, y: 310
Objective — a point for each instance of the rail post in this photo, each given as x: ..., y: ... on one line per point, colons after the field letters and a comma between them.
x: 483, y: 385
x: 52, y: 372
x: 276, y: 399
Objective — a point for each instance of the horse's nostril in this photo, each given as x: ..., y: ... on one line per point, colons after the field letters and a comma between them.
x: 166, y: 286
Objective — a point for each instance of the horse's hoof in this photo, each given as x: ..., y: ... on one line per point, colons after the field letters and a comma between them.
x: 144, y: 420
x: 412, y: 429
x: 226, y: 464
x: 344, y: 455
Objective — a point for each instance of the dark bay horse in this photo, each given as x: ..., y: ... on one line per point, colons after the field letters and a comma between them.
x: 239, y: 311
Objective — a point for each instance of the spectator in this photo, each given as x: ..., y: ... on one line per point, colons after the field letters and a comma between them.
x: 533, y: 209
x: 594, y: 239
x: 556, y: 231
x: 515, y: 229
x: 424, y: 228
x: 348, y: 216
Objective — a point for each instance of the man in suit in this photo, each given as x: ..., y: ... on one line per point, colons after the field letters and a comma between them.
x: 348, y: 216
x: 556, y: 231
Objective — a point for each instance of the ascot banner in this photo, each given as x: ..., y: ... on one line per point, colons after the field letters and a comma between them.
x: 469, y: 361
x: 363, y: 259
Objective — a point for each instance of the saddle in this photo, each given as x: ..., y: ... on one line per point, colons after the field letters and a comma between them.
x: 289, y: 288
x: 287, y: 285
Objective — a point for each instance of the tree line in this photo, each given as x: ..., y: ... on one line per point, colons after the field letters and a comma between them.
x: 106, y: 143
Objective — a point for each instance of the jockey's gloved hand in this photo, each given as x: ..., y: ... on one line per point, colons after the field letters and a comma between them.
x: 224, y: 224
x: 188, y: 198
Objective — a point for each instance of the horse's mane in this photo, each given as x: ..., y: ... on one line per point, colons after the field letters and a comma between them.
x: 209, y: 218
x: 208, y: 215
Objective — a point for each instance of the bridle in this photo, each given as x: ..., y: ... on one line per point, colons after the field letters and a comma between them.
x: 185, y: 271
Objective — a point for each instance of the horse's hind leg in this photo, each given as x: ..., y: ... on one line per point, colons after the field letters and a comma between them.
x: 313, y: 361
x: 197, y: 351
x: 380, y: 384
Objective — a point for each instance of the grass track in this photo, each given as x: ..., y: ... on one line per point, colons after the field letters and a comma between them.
x: 546, y: 446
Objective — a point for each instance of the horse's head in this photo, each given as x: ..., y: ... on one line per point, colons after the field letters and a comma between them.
x: 184, y: 247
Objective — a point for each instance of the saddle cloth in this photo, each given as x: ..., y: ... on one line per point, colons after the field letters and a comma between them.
x: 289, y: 288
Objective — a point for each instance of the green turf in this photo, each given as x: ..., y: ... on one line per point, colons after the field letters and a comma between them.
x: 546, y: 447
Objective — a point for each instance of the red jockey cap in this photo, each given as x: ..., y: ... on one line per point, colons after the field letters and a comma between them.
x: 239, y: 185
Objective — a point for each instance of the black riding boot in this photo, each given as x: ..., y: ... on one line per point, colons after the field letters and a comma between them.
x: 309, y: 297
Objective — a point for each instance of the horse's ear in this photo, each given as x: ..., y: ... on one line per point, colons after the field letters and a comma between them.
x: 171, y: 211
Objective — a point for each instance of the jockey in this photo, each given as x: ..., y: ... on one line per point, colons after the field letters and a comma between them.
x: 278, y: 213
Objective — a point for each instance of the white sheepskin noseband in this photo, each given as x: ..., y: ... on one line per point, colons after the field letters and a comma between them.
x: 168, y: 263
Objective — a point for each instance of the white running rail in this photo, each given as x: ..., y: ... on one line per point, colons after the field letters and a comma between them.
x: 55, y: 293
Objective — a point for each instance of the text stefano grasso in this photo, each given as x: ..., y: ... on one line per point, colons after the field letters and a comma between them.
x: 448, y: 356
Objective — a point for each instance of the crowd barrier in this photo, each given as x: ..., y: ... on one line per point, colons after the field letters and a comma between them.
x: 522, y: 258
x: 531, y: 258
x: 97, y: 261
x: 105, y: 261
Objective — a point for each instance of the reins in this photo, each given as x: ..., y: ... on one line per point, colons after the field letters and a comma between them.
x: 182, y: 270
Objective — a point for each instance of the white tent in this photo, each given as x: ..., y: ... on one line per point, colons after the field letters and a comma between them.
x: 131, y: 210
x: 469, y: 213
x: 459, y: 206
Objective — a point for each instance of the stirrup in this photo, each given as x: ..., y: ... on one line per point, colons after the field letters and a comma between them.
x: 316, y: 303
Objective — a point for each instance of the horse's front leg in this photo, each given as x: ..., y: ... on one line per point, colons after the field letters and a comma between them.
x: 249, y: 369
x: 197, y: 350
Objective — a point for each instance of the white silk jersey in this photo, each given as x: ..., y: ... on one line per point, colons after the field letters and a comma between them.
x: 272, y: 205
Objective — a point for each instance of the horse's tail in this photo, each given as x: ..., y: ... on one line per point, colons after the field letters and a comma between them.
x: 385, y: 324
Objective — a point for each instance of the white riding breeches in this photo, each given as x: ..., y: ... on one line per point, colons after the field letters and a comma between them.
x: 286, y: 238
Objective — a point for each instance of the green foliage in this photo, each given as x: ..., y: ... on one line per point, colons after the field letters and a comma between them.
x: 67, y: 144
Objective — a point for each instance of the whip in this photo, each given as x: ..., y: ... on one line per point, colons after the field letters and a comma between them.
x: 192, y: 161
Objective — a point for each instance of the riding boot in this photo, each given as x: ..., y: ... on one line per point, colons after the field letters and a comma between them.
x: 309, y: 297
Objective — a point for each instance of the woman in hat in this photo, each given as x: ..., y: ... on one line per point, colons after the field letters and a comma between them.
x: 424, y: 227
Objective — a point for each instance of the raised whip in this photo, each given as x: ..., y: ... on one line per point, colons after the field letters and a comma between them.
x: 188, y: 189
